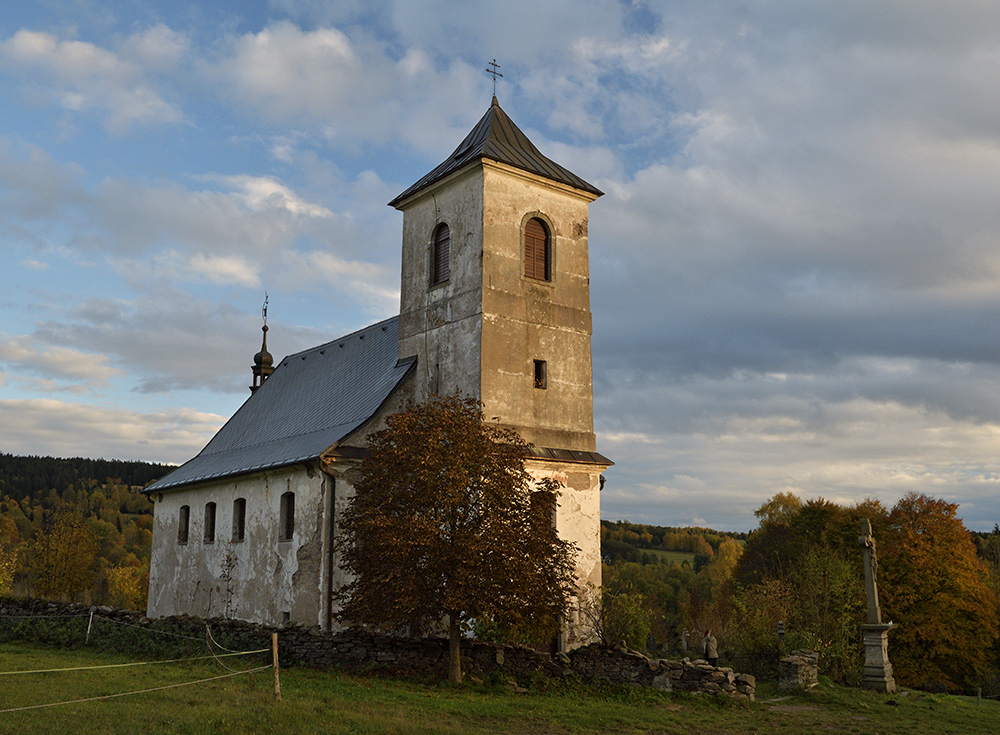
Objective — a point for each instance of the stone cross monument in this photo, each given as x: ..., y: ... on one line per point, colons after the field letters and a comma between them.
x: 878, y: 670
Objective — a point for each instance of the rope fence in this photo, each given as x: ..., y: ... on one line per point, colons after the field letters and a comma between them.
x: 135, y: 663
x: 209, y: 641
x: 127, y: 694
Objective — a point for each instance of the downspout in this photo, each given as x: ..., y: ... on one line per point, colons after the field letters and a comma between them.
x: 331, y: 537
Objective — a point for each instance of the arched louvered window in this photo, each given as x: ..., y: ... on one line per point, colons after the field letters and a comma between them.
x: 537, y: 250
x: 441, y: 255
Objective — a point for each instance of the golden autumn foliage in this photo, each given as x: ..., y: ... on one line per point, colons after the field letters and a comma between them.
x: 127, y: 587
x: 446, y: 523
x: 931, y: 583
x: 64, y: 554
x: 119, y: 518
x: 935, y: 586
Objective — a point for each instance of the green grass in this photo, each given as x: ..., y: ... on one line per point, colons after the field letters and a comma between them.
x: 329, y: 702
x: 673, y: 557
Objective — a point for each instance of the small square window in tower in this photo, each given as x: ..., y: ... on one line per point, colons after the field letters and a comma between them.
x: 541, y: 381
x: 537, y: 250
x: 441, y: 255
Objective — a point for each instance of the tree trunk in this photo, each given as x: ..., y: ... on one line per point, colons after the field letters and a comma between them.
x: 454, y: 650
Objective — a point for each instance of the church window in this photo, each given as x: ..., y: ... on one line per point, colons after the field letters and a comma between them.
x: 541, y: 378
x: 287, y: 517
x: 209, y: 523
x: 183, y: 522
x: 441, y: 255
x: 543, y: 508
x: 537, y: 250
x: 239, y: 519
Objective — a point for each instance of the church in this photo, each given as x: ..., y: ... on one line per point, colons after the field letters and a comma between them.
x: 494, y: 302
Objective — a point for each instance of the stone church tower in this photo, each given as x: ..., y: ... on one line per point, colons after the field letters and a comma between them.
x: 495, y: 303
x: 495, y: 297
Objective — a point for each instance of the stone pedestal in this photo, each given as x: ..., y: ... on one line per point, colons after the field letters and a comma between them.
x: 800, y: 670
x: 878, y: 670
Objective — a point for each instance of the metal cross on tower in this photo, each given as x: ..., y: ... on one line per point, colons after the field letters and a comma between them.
x: 263, y: 310
x: 494, y: 71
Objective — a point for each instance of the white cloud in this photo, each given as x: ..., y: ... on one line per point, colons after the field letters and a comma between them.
x: 356, y: 280
x: 158, y: 47
x: 82, y: 76
x: 79, y: 430
x: 61, y: 365
x: 262, y: 193
x: 350, y: 86
x: 225, y: 271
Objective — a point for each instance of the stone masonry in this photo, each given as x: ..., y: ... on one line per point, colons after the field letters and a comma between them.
x: 359, y: 650
x: 800, y: 670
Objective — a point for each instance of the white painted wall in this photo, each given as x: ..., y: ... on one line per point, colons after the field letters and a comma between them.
x: 271, y: 577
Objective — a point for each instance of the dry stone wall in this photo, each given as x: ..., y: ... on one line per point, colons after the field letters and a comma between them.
x: 359, y: 650
x: 799, y: 670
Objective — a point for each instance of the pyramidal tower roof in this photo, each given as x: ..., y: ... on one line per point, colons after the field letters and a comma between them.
x: 497, y: 138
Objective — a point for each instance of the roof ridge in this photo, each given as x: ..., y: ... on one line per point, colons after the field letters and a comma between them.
x: 323, y: 346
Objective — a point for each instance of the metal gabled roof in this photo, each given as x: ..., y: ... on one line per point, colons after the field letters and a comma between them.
x: 311, y: 401
x: 497, y: 138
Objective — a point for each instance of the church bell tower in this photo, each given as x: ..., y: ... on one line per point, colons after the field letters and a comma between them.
x: 495, y: 303
x: 495, y: 297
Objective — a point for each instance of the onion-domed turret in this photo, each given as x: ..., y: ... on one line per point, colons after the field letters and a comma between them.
x: 263, y: 363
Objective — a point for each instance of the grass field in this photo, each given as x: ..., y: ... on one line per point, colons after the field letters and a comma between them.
x: 325, y: 702
x: 674, y: 557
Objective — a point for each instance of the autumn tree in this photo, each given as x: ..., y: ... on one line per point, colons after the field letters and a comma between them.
x: 933, y: 584
x: 63, y: 557
x: 446, y: 524
x: 617, y: 613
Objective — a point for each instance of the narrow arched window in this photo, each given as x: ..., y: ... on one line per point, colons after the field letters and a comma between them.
x: 537, y: 250
x: 441, y: 255
x: 209, y: 537
x: 287, y: 517
x: 239, y: 519
x: 183, y: 522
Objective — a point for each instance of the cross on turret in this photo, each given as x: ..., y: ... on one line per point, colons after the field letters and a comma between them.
x: 496, y: 73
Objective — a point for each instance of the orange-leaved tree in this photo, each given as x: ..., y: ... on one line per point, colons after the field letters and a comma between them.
x: 446, y: 524
x: 934, y: 585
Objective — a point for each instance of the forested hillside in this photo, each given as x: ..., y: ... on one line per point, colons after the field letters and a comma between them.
x: 625, y: 541
x: 76, y: 528
x: 657, y: 580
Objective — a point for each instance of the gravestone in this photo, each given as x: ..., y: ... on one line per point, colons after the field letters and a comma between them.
x: 878, y: 670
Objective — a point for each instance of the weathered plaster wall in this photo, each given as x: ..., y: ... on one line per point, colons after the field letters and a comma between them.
x: 578, y: 520
x: 525, y: 319
x: 269, y: 577
x: 482, y: 330
x: 442, y: 324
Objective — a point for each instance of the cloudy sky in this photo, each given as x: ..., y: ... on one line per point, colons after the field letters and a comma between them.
x: 795, y: 269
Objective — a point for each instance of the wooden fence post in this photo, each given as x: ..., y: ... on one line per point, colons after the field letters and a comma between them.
x: 274, y: 658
